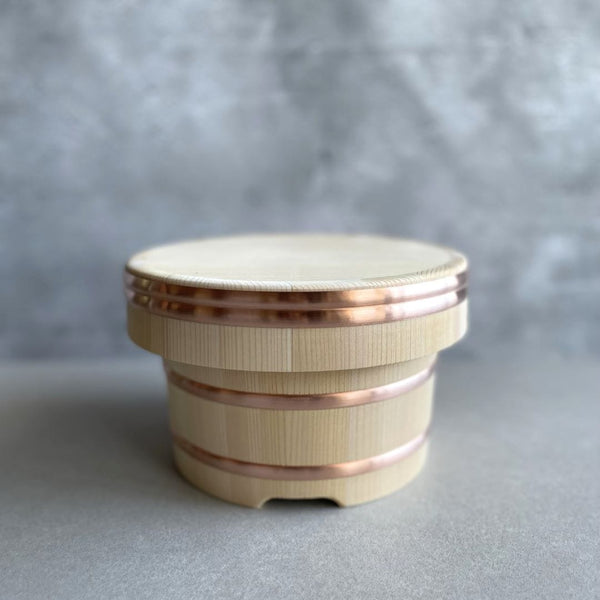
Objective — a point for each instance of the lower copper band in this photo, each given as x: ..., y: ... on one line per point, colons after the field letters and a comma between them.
x: 294, y: 473
x: 299, y: 402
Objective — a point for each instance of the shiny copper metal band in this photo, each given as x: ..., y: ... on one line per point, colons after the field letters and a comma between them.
x: 291, y: 300
x: 293, y: 473
x: 295, y: 309
x: 299, y: 402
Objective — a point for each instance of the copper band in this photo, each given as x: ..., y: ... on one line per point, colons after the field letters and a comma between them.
x: 293, y: 473
x: 299, y: 402
x: 295, y: 309
x: 292, y: 300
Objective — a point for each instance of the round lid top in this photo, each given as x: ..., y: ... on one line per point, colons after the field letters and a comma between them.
x: 297, y: 263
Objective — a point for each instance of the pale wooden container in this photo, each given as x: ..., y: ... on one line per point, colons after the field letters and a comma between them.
x: 298, y: 366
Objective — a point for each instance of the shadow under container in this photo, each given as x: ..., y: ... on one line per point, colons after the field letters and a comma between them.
x: 298, y: 366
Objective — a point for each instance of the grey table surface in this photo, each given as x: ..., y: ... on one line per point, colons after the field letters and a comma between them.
x: 508, y: 505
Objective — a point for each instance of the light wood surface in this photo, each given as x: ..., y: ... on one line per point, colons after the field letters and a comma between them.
x: 300, y: 437
x: 296, y: 350
x: 307, y: 382
x: 254, y: 492
x: 297, y: 262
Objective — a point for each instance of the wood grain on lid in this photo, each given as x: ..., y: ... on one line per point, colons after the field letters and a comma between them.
x: 297, y: 262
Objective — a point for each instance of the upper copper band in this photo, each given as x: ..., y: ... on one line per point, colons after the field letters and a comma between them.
x: 299, y: 402
x: 295, y: 473
x: 291, y: 300
x: 295, y: 309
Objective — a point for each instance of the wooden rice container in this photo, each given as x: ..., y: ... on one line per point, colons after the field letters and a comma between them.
x: 298, y: 366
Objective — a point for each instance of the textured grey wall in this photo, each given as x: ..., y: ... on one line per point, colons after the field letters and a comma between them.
x: 125, y: 123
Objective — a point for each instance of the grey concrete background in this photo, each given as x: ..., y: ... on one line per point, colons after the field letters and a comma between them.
x: 126, y: 123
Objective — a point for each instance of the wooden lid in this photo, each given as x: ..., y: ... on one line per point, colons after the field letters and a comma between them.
x: 296, y: 280
x: 297, y: 263
x: 240, y: 295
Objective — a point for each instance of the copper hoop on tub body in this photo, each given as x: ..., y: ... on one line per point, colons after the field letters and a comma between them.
x: 294, y: 430
x: 301, y: 473
x: 294, y: 383
x: 299, y: 402
x: 344, y: 491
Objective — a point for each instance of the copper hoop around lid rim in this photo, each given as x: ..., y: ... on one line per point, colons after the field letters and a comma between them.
x: 295, y: 309
x: 292, y: 300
